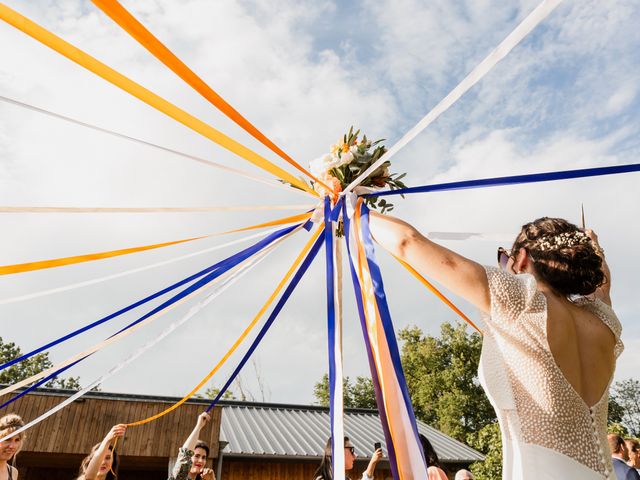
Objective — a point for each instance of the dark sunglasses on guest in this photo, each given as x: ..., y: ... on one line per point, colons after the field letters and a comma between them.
x: 503, y: 257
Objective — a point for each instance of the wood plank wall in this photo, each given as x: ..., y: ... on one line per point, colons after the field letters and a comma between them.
x: 75, y: 429
x: 241, y: 469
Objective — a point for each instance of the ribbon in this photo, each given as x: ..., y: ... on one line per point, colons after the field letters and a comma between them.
x: 497, y: 54
x: 437, y: 293
x: 60, y: 262
x: 353, y: 260
x: 235, y: 171
x: 94, y: 281
x: 236, y: 208
x: 281, y: 303
x: 228, y: 281
x: 145, y: 38
x: 239, y: 340
x: 407, y: 452
x: 334, y: 337
x: 514, y: 180
x: 107, y: 73
x: 206, y: 276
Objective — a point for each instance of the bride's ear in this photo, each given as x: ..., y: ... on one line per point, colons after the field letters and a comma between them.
x: 522, y: 260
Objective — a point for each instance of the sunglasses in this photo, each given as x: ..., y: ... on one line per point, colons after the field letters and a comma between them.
x: 352, y: 450
x: 503, y: 257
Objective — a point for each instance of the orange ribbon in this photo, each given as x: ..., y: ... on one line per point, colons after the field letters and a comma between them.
x: 59, y: 262
x: 135, y: 89
x: 437, y: 293
x: 133, y: 27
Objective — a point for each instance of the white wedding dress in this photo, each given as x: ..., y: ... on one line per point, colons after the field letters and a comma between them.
x: 548, y: 431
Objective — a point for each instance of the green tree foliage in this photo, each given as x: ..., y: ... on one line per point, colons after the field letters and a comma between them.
x: 626, y: 395
x: 29, y: 367
x: 442, y: 378
x: 212, y: 392
x: 487, y: 440
x: 357, y: 394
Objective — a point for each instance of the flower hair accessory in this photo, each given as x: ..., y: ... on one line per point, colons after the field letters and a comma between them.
x: 562, y: 240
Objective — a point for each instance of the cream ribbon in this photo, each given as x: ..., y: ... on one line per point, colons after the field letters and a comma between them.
x: 235, y: 171
x: 236, y: 208
x: 501, y: 51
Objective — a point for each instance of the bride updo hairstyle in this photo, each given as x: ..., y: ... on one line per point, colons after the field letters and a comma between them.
x: 565, y: 258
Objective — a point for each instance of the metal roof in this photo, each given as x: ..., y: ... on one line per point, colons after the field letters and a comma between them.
x: 286, y: 431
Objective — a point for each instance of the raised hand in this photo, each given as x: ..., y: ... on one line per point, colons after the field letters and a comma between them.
x: 207, y: 474
x: 117, y: 431
x: 203, y: 419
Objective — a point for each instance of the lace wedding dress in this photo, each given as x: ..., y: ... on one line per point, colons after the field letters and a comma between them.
x: 548, y: 431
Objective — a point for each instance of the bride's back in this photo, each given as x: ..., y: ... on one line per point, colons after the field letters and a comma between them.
x: 582, y: 346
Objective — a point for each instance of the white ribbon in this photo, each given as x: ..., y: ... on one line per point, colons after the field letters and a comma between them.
x: 501, y: 51
x: 229, y: 278
x: 235, y: 208
x: 124, y: 333
x: 236, y: 171
x: 94, y: 281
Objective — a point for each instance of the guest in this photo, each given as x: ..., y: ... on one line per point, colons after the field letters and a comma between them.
x: 324, y: 471
x: 619, y: 457
x: 9, y: 448
x: 434, y: 468
x: 633, y: 448
x: 464, y: 475
x: 193, y: 455
x: 102, y: 462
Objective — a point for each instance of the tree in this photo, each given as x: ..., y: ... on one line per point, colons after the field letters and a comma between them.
x: 212, y: 392
x: 29, y: 367
x: 442, y: 378
x: 626, y: 394
x: 357, y: 394
x: 487, y: 440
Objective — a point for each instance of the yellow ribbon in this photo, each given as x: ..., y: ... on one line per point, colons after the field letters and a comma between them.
x: 59, y: 262
x: 109, y: 74
x: 243, y: 335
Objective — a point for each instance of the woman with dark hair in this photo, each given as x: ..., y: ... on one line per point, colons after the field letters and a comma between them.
x: 192, y: 456
x: 102, y: 462
x: 9, y: 448
x: 434, y: 468
x: 550, y: 344
x: 324, y: 471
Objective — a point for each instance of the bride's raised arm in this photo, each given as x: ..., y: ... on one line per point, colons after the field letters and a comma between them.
x: 459, y: 274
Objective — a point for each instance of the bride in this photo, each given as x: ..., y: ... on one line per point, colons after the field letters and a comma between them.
x: 550, y: 344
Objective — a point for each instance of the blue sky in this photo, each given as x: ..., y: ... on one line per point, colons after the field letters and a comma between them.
x: 303, y: 72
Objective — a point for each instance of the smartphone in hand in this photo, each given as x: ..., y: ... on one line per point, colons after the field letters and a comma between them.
x: 377, y: 446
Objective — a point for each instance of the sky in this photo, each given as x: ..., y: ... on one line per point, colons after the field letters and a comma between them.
x: 302, y: 71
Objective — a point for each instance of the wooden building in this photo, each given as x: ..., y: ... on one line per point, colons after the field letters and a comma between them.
x: 257, y: 441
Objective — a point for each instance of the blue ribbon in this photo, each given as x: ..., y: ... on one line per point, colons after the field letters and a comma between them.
x: 385, y: 317
x: 331, y: 320
x: 513, y: 180
x: 276, y: 311
x: 372, y: 367
x: 210, y: 274
x: 259, y: 245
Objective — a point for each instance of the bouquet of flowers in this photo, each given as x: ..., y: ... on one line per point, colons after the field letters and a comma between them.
x: 349, y: 157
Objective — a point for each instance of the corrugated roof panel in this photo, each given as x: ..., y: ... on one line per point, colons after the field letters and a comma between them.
x: 299, y: 431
